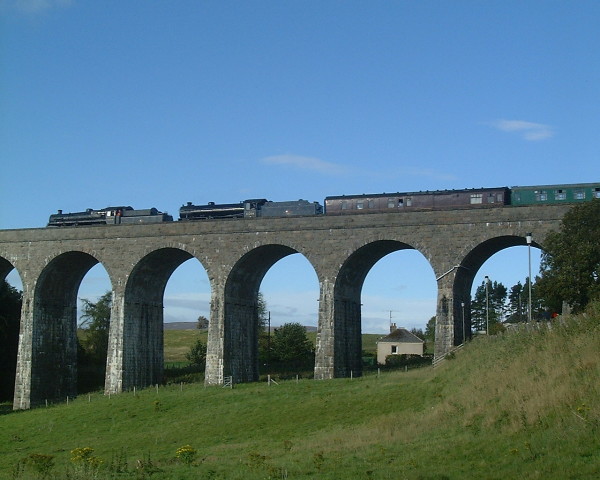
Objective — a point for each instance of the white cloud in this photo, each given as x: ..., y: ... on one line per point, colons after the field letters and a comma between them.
x: 34, y: 6
x: 527, y: 130
x: 305, y: 163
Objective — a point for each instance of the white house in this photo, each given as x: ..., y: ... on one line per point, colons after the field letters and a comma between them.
x: 399, y: 342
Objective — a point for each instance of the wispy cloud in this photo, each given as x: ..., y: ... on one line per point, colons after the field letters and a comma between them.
x: 34, y: 6
x: 527, y: 130
x: 300, y: 162
x: 306, y: 163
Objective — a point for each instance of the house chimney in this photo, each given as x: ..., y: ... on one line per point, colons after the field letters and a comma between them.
x: 392, y: 327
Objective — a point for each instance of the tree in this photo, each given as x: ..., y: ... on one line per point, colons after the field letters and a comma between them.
x: 570, y: 268
x: 262, y: 312
x: 10, y: 316
x: 291, y: 346
x: 96, y: 324
x: 197, y: 354
x: 202, y: 323
x: 517, y: 303
x: 488, y: 307
x: 429, y: 333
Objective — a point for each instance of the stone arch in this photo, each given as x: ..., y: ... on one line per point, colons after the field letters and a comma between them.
x: 465, y: 274
x: 54, y: 327
x: 140, y: 360
x: 347, y: 304
x: 5, y: 268
x: 240, y: 343
x: 9, y: 340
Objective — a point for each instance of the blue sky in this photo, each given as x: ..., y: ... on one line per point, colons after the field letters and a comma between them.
x: 159, y: 103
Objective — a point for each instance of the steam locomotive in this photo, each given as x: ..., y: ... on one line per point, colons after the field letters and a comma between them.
x: 342, y: 205
x: 249, y: 209
x: 108, y: 216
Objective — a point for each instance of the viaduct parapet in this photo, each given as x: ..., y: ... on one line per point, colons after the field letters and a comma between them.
x: 236, y: 254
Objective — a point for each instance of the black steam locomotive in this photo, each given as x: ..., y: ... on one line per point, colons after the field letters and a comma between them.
x: 249, y: 209
x: 108, y: 216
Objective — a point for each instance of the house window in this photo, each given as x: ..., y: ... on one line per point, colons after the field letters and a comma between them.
x: 476, y: 198
x: 560, y: 195
x: 394, y: 349
x: 579, y: 194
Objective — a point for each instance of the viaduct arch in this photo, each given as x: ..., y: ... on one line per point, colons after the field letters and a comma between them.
x: 139, y: 260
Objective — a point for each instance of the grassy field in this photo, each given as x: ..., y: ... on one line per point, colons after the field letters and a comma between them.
x: 178, y: 342
x: 520, y: 406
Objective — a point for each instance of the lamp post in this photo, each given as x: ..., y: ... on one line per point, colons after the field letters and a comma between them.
x: 487, y: 306
x: 462, y: 304
x: 529, y: 239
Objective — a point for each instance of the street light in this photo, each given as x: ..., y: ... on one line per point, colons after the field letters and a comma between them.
x: 487, y: 306
x: 529, y: 239
x: 462, y: 304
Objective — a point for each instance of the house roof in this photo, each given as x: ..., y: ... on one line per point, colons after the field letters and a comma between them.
x: 401, y: 335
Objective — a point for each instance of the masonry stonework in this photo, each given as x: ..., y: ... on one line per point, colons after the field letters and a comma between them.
x: 139, y: 259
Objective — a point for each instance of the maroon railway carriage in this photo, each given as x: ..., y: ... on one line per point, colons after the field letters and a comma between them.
x: 429, y: 200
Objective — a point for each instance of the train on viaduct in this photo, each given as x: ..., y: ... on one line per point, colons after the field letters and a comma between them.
x: 236, y: 254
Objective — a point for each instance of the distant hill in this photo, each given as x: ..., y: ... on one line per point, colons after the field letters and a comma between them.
x: 180, y: 326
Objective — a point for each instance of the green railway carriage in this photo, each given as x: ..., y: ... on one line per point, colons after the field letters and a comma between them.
x: 554, y: 194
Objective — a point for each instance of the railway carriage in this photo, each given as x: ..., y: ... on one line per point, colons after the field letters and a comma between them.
x: 554, y: 194
x: 429, y: 200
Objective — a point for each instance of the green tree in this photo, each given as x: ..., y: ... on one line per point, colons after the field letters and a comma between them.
x: 10, y: 316
x: 429, y: 333
x: 291, y: 346
x: 262, y: 312
x: 95, y: 322
x: 488, y: 306
x: 202, y: 323
x: 517, y: 303
x: 570, y: 268
x: 197, y: 354
x: 93, y: 343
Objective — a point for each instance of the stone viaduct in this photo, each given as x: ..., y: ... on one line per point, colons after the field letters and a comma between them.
x: 236, y: 254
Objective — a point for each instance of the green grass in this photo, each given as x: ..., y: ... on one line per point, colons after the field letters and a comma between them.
x: 520, y: 406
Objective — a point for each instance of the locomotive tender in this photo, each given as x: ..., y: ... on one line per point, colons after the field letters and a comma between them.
x: 342, y: 205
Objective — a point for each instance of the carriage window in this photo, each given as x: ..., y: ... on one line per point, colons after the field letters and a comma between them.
x: 491, y: 198
x: 597, y: 192
x: 344, y: 205
x: 541, y: 195
x: 391, y: 202
x: 408, y: 201
x: 476, y: 198
x: 500, y: 197
x: 560, y: 195
x: 371, y: 203
x: 401, y: 202
x: 579, y: 194
x: 360, y: 205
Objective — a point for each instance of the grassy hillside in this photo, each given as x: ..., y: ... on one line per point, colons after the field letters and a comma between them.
x: 517, y: 406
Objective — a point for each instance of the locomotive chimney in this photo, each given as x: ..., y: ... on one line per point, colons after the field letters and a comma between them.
x: 60, y: 212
